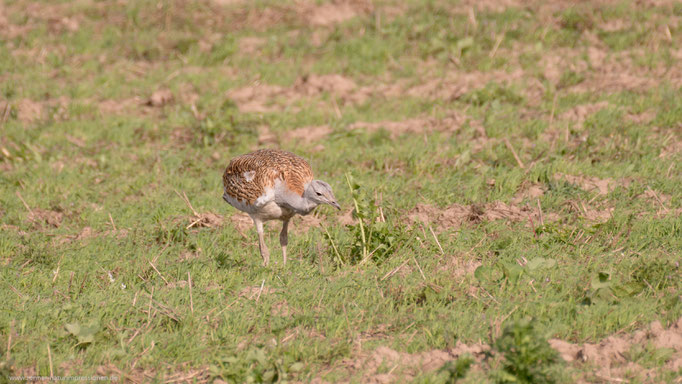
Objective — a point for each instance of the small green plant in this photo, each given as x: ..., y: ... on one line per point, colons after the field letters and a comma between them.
x: 648, y: 355
x: 254, y: 366
x: 575, y: 19
x: 512, y: 271
x: 6, y: 370
x: 527, y: 356
x: 657, y: 274
x: 607, y: 289
x: 570, y: 78
x: 457, y: 369
x: 175, y: 234
x: 492, y: 92
x: 85, y: 334
x: 372, y: 237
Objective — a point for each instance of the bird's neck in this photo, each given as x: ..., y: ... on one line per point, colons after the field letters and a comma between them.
x: 298, y: 204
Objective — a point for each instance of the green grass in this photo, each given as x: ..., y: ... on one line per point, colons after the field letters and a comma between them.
x: 94, y: 243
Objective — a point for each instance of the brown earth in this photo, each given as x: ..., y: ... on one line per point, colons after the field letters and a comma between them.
x: 449, y: 124
x: 264, y: 98
x: 41, y: 217
x: 87, y: 233
x: 456, y: 215
x: 29, y: 111
x: 530, y: 192
x: 299, y: 224
x: 329, y: 14
x: 160, y: 98
x: 645, y: 117
x: 405, y: 366
x: 590, y: 184
x: 254, y: 292
x: 249, y: 45
x: 308, y: 135
x: 346, y: 218
x: 611, y: 358
x: 301, y: 13
x: 458, y: 268
x: 242, y: 222
x: 206, y: 220
x: 579, y: 113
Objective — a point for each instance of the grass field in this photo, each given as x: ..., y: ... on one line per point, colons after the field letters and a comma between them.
x: 514, y: 168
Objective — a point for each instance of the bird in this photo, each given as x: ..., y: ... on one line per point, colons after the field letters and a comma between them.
x: 272, y: 184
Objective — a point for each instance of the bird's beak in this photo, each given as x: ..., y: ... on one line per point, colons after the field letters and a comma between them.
x: 335, y: 205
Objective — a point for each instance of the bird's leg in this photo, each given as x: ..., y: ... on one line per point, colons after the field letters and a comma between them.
x: 284, y: 240
x: 261, y: 242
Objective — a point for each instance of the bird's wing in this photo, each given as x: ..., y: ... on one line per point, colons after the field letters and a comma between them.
x: 245, y: 180
x: 249, y: 178
x: 294, y: 171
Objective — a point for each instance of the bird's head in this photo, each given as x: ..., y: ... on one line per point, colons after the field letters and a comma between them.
x: 318, y: 192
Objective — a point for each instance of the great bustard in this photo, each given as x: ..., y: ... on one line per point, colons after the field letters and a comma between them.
x: 271, y: 184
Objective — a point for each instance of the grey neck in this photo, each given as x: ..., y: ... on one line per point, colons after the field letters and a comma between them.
x: 296, y: 203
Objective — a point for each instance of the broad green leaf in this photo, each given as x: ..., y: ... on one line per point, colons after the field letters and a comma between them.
x: 84, y: 333
x: 483, y: 273
x: 601, y: 281
x: 540, y: 263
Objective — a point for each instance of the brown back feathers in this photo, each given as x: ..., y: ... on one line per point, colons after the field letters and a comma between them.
x: 247, y: 176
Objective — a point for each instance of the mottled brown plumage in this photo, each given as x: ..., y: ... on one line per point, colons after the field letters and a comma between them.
x: 268, y: 165
x: 271, y: 184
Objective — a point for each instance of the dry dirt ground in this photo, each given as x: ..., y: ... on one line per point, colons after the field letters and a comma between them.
x: 513, y: 120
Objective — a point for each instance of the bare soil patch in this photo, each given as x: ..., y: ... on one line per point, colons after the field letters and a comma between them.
x: 263, y: 98
x: 281, y: 309
x: 674, y: 148
x: 29, y: 111
x: 405, y: 366
x: 254, y: 292
x: 40, y: 217
x: 455, y: 84
x: 330, y: 14
x: 121, y: 106
x: 456, y: 215
x: 242, y: 222
x: 309, y: 134
x: 449, y: 124
x: 251, y: 44
x: 614, y: 72
x: 603, y: 70
x: 492, y: 5
x: 459, y: 268
x: 57, y: 17
x: 205, y: 220
x: 597, y: 215
x: 299, y: 224
x: 255, y: 98
x: 313, y: 85
x: 612, y: 356
x: 530, y: 192
x: 87, y: 233
x: 301, y: 13
x: 160, y: 98
x: 346, y: 218
x: 580, y: 113
x: 641, y: 118
x: 266, y: 137
x: 180, y: 374
x: 592, y: 184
